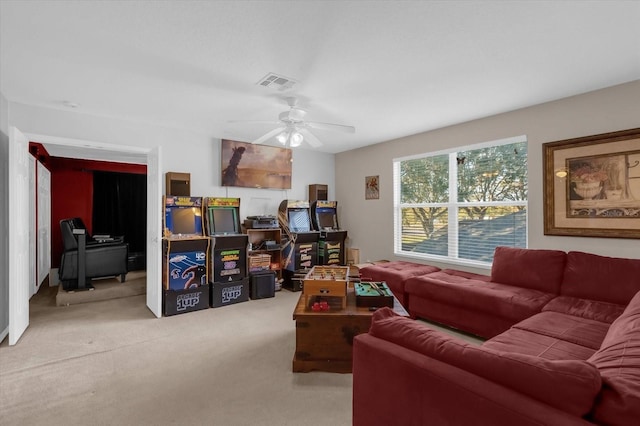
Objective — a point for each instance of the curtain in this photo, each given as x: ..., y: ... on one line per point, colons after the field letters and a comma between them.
x: 120, y: 207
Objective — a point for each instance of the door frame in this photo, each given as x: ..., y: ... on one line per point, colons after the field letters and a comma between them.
x: 18, y: 233
x: 154, y: 181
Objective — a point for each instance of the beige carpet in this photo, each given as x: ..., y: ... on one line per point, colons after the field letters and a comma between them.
x: 105, y: 289
x: 113, y: 363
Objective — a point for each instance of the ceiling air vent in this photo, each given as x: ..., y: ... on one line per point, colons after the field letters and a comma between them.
x: 277, y: 82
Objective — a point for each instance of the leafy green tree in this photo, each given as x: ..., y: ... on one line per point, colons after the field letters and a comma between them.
x: 425, y: 180
x: 484, y: 175
x: 492, y: 174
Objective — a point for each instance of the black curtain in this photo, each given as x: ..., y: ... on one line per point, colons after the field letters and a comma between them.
x: 120, y: 207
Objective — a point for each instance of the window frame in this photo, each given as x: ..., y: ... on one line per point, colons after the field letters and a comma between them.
x: 452, y: 205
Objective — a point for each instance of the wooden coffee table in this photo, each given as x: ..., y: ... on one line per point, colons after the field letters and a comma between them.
x: 324, y: 340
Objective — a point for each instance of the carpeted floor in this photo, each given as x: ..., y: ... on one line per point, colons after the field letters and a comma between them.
x: 113, y: 363
x: 105, y: 289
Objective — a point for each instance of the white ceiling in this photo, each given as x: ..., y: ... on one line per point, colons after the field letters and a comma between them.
x: 389, y: 68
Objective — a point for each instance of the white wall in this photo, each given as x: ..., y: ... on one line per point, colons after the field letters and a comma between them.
x: 182, y: 151
x: 4, y: 217
x: 370, y: 222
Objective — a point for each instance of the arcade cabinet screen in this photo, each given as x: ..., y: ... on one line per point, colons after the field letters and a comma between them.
x: 299, y: 220
x: 224, y: 220
x: 326, y: 218
x: 184, y: 220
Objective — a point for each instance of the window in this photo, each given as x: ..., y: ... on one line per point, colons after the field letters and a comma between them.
x: 460, y: 205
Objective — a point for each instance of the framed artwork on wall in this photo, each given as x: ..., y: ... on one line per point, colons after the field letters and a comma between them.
x: 371, y: 187
x: 255, y: 166
x: 592, y: 186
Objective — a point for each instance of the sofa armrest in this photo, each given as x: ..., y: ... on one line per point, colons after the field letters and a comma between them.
x: 395, y: 385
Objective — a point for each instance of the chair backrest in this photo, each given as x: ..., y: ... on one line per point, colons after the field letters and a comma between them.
x: 69, y: 239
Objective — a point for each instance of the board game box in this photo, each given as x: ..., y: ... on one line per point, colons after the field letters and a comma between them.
x: 374, y: 294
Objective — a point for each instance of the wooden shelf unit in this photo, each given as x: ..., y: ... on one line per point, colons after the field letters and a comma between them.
x: 257, y: 238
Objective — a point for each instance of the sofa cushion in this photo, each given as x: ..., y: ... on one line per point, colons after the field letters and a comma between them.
x: 536, y: 269
x: 618, y: 361
x: 583, y: 308
x: 607, y: 279
x: 466, y: 274
x: 529, y: 343
x: 580, y: 331
x: 505, y: 301
x: 395, y: 273
x: 568, y: 385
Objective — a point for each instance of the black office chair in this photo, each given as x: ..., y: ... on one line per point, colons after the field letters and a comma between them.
x: 104, y: 257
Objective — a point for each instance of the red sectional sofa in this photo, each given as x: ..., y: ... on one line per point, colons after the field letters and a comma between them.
x: 563, y: 348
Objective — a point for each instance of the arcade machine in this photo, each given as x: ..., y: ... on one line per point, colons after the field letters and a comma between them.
x: 331, y: 247
x: 185, y: 251
x: 300, y: 251
x: 228, y: 252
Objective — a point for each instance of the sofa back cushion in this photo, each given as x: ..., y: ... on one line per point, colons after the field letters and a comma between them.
x: 569, y: 385
x: 594, y: 277
x: 619, y: 363
x: 535, y: 269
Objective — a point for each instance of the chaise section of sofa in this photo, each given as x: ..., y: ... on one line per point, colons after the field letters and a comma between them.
x: 406, y: 373
x: 522, y: 282
x: 479, y: 307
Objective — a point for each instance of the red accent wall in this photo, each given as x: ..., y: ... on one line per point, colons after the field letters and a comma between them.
x: 71, y: 196
x: 72, y: 193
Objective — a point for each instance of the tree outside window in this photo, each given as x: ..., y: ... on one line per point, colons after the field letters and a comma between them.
x: 461, y: 205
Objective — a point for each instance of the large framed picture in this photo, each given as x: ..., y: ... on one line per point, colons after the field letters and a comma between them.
x: 592, y: 186
x: 255, y: 166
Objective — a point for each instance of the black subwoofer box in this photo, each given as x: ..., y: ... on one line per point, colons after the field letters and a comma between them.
x: 262, y: 285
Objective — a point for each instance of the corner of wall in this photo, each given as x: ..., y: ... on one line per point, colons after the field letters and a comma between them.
x: 4, y: 217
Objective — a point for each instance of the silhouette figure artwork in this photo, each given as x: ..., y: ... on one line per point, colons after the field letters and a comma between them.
x: 230, y: 173
x: 254, y: 166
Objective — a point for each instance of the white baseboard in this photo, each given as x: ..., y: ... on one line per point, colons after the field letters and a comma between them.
x: 4, y: 333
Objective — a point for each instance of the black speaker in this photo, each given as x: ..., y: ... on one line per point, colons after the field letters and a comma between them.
x: 263, y: 285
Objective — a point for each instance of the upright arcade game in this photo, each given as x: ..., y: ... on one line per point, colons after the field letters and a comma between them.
x: 228, y: 251
x: 331, y: 247
x: 300, y: 251
x: 185, y: 250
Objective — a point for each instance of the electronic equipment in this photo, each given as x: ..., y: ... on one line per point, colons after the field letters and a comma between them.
x: 261, y: 222
x: 324, y: 215
x: 222, y: 220
x: 263, y: 285
x: 302, y: 250
x: 331, y: 247
x: 228, y: 254
x: 183, y: 216
x: 222, y: 216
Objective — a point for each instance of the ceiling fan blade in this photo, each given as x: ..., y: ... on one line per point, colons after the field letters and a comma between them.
x: 254, y: 122
x: 268, y: 135
x: 311, y: 138
x: 331, y: 126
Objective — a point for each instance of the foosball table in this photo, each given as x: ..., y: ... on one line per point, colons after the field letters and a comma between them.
x: 326, y: 282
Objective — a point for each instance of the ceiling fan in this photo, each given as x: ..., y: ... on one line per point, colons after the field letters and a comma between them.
x: 293, y: 128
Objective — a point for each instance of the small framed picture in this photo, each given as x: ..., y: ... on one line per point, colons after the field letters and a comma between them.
x: 371, y: 187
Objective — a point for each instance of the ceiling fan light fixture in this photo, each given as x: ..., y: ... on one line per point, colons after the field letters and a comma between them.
x: 295, y: 139
x: 282, y: 137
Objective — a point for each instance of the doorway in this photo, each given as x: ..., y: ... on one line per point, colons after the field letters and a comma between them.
x: 81, y: 149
